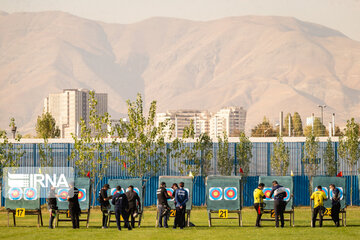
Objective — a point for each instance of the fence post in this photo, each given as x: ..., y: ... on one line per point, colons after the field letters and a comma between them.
x: 268, y: 159
x: 235, y: 159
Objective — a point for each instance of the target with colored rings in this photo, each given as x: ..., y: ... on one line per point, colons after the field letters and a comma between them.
x: 82, y: 195
x: 114, y: 191
x: 170, y: 192
x: 188, y: 191
x: 287, y: 198
x: 15, y: 193
x: 324, y: 189
x: 267, y: 192
x: 230, y: 193
x: 30, y: 194
x: 341, y: 192
x: 63, y: 194
x: 215, y: 193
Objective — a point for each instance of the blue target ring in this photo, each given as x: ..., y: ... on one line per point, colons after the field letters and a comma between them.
x: 287, y: 198
x: 170, y: 192
x: 325, y: 190
x: 15, y: 193
x: 215, y: 193
x: 82, y: 195
x: 63, y: 194
x: 30, y: 194
x: 135, y: 190
x: 267, y: 192
x: 341, y: 192
x: 114, y: 191
x: 230, y: 193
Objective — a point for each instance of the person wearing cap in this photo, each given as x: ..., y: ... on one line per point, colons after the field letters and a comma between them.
x: 104, y: 204
x: 318, y: 197
x: 74, y: 206
x: 121, y: 207
x: 163, y: 206
x: 279, y: 194
x: 259, y: 202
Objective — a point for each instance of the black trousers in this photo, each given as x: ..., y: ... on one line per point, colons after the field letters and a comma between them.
x: 131, y: 215
x: 279, y: 208
x: 180, y: 217
x: 318, y: 210
x: 105, y: 214
x: 74, y: 214
x: 259, y: 211
x: 52, y: 217
x: 123, y: 213
x: 164, y: 218
x: 335, y: 211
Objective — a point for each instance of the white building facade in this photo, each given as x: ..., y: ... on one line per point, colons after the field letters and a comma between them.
x: 72, y: 105
x: 230, y: 120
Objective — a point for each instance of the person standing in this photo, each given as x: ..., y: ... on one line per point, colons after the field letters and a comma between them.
x: 318, y: 197
x: 52, y: 206
x: 175, y: 187
x: 121, y: 207
x: 259, y: 202
x: 181, y: 198
x: 134, y: 202
x: 74, y: 206
x: 104, y: 204
x: 279, y: 204
x: 335, y: 204
x: 163, y: 206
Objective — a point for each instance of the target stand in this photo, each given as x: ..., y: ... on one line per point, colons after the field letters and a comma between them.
x: 224, y: 215
x: 27, y: 212
x: 271, y: 216
x: 62, y: 214
x: 139, y: 188
x: 340, y: 184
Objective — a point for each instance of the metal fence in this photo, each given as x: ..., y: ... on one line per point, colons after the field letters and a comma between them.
x: 259, y: 166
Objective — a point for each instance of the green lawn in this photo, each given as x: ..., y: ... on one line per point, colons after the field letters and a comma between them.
x: 225, y: 229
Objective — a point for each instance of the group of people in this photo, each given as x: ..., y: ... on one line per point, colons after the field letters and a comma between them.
x: 180, y: 196
x: 278, y: 193
x: 126, y: 205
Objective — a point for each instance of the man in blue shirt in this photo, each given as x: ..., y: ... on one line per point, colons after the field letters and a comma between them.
x: 181, y: 198
x: 279, y: 204
x: 335, y: 202
x: 121, y: 207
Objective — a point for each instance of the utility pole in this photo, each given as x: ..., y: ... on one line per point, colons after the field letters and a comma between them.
x: 281, y: 118
x: 322, y: 113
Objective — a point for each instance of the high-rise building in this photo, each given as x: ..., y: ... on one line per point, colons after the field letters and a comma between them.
x: 72, y: 105
x: 230, y: 120
x: 183, y: 118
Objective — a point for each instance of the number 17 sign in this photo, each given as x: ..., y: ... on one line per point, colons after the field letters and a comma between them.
x: 20, y: 212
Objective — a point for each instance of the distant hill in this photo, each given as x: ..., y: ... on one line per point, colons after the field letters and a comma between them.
x: 265, y: 64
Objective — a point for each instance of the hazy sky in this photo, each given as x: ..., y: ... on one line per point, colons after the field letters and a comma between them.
x: 342, y: 15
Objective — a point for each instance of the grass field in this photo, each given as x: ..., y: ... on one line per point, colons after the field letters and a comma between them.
x: 222, y: 229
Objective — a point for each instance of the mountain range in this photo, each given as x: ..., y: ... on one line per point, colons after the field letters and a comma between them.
x: 266, y: 64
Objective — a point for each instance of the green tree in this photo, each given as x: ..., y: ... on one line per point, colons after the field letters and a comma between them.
x: 280, y: 158
x: 244, y: 154
x: 349, y: 148
x: 297, y: 124
x: 10, y: 153
x: 329, y: 159
x: 46, y: 126
x: 286, y: 125
x: 319, y: 129
x: 90, y: 153
x: 310, y: 160
x: 264, y: 129
x: 145, y: 148
x: 225, y: 162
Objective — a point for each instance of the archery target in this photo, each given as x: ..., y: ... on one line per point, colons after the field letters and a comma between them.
x: 15, y: 193
x: 82, y: 195
x: 114, y: 191
x: 287, y: 198
x: 325, y: 190
x: 63, y: 194
x: 30, y: 194
x: 267, y: 192
x: 230, y: 193
x: 188, y: 191
x: 341, y: 192
x: 170, y: 192
x: 215, y: 193
x: 135, y: 190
